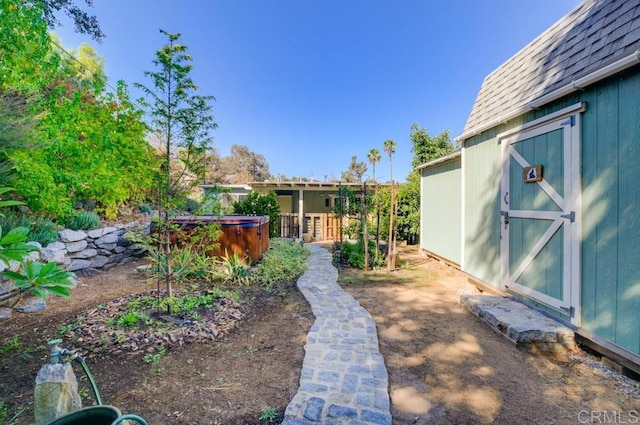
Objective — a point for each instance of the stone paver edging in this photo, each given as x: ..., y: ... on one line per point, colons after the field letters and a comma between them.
x: 343, y: 378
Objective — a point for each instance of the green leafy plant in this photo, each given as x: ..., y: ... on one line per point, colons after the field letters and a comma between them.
x: 13, y: 246
x: 269, y: 414
x: 133, y: 318
x: 83, y: 220
x: 154, y: 361
x: 283, y: 262
x: 41, y: 229
x: 41, y: 279
x: 6, y: 418
x: 10, y: 344
x: 235, y: 269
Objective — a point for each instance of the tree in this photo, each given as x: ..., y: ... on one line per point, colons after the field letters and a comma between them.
x: 374, y: 157
x: 409, y: 207
x: 83, y: 21
x: 93, y: 146
x: 425, y: 147
x: 390, y: 149
x: 182, y: 119
x: 243, y: 165
x: 355, y: 172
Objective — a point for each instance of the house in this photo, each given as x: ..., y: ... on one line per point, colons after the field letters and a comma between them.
x: 546, y: 180
x: 312, y: 200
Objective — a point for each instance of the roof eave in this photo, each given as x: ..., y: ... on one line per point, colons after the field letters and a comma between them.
x: 593, y: 77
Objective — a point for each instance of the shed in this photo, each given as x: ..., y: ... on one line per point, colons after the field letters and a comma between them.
x: 549, y: 154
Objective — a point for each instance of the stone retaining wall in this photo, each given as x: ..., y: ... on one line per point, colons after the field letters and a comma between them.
x: 86, y: 253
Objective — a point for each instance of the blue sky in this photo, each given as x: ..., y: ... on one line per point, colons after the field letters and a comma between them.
x: 310, y: 83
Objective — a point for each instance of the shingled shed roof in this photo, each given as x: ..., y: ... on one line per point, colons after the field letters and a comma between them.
x: 593, y: 35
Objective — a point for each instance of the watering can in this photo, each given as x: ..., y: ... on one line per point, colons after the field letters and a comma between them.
x: 96, y: 415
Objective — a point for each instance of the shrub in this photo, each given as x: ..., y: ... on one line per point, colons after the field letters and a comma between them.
x: 83, y: 220
x: 144, y: 208
x: 191, y: 206
x: 262, y: 204
x: 283, y: 262
x: 41, y: 229
x: 235, y: 269
x: 353, y: 254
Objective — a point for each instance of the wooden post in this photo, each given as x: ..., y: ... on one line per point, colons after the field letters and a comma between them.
x: 365, y: 236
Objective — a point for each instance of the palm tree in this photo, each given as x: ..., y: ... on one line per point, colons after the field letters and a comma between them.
x: 390, y: 149
x: 374, y: 158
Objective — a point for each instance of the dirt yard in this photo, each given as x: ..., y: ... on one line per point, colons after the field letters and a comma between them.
x: 445, y: 367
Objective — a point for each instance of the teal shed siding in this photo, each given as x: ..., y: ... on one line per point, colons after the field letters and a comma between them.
x: 610, y: 247
x: 611, y: 209
x: 482, y: 208
x: 440, y: 209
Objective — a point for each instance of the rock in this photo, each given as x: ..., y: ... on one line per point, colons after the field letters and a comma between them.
x: 116, y: 259
x: 76, y: 246
x: 5, y: 313
x: 56, y: 245
x: 36, y: 244
x: 104, y: 252
x: 68, y: 235
x: 97, y: 233
x: 99, y: 261
x: 74, y: 282
x: 56, y: 393
x: 85, y: 253
x: 88, y: 272
x: 30, y: 304
x: 107, y: 246
x: 49, y: 255
x: 14, y: 266
x: 141, y: 252
x: 110, y: 238
x: 144, y: 268
x: 78, y: 264
x: 119, y: 249
x: 123, y: 241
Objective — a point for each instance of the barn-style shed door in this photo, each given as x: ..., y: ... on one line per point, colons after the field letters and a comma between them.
x: 540, y: 214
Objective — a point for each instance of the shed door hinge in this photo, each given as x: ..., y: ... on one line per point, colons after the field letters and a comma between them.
x: 571, y: 216
x: 571, y: 121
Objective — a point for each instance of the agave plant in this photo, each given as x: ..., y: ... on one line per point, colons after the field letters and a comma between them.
x: 235, y: 269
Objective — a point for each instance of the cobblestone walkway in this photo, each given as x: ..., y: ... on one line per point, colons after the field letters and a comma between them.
x: 343, y: 379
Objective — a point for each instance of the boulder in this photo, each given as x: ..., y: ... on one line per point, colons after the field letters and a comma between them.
x: 97, y: 233
x: 30, y: 304
x: 85, y: 253
x: 68, y: 235
x: 76, y: 246
x: 99, y: 261
x: 49, y: 255
x: 110, y: 238
x: 78, y: 264
x: 56, y: 393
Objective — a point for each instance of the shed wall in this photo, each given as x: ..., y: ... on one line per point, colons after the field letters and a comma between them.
x: 441, y: 209
x: 611, y: 212
x: 610, y: 164
x: 482, y: 208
